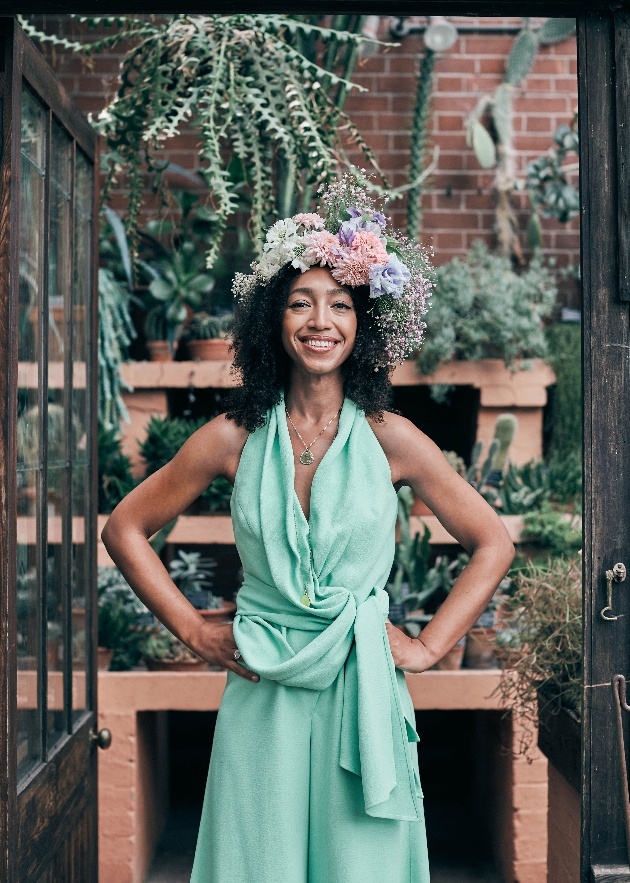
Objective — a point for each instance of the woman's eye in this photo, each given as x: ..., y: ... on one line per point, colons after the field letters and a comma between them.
x: 342, y: 305
x: 298, y: 303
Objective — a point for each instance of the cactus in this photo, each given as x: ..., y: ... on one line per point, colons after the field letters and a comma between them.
x: 478, y: 475
x: 504, y: 430
x: 156, y: 326
x: 203, y: 326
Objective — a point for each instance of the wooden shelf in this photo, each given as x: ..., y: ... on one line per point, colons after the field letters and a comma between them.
x: 121, y: 692
x: 500, y: 386
x: 210, y: 529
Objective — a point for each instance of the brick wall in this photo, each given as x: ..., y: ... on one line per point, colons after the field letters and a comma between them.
x: 458, y: 202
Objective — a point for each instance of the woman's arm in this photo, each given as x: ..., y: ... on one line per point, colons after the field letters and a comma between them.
x: 416, y: 461
x: 213, y: 450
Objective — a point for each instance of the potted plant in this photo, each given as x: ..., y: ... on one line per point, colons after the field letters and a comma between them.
x: 162, y: 651
x: 207, y: 336
x: 543, y: 614
x: 159, y: 335
x: 483, y: 309
x: 193, y: 576
x: 123, y: 621
x: 180, y: 278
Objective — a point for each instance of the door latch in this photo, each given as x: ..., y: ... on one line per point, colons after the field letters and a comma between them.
x: 617, y: 575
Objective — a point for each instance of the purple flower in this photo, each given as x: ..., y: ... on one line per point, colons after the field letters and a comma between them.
x: 347, y: 231
x: 389, y: 278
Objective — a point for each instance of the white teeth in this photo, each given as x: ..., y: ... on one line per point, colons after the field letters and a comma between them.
x: 320, y: 344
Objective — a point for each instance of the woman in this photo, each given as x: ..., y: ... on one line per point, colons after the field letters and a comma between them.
x: 314, y: 771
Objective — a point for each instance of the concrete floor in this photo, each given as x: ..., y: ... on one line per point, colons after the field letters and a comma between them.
x: 174, y: 857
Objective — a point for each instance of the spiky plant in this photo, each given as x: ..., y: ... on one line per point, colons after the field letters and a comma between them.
x: 266, y: 93
x: 493, y: 145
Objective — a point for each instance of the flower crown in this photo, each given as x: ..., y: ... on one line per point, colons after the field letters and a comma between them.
x: 349, y: 236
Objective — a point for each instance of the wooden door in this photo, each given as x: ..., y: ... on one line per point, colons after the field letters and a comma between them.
x: 604, y: 87
x: 48, y: 335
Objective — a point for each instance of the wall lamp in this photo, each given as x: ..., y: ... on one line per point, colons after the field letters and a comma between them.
x: 439, y: 33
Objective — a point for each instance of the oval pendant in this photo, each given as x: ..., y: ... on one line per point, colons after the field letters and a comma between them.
x: 305, y: 600
x: 306, y: 458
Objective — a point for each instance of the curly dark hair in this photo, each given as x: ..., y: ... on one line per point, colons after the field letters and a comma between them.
x: 263, y: 366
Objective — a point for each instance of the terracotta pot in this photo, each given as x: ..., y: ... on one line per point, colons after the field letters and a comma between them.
x: 159, y: 351
x: 453, y: 659
x: 216, y: 349
x: 479, y: 651
x: 176, y: 664
x: 220, y: 614
x: 104, y: 658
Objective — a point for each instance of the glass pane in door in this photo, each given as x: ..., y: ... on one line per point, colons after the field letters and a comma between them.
x: 82, y: 281
x: 60, y: 435
x: 29, y: 452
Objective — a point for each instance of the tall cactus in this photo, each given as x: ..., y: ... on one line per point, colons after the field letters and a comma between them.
x: 494, y: 148
x: 419, y: 143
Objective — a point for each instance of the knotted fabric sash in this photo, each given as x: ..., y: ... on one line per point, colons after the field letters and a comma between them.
x: 374, y: 731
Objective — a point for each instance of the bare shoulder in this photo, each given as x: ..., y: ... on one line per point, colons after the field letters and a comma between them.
x: 402, y: 442
x: 219, y: 444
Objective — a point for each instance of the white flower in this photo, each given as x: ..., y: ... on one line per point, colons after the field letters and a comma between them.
x: 283, y: 233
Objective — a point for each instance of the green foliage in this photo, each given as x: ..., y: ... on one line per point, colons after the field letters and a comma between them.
x: 548, y: 187
x: 504, y: 428
x: 419, y: 137
x: 265, y: 92
x: 564, y: 346
x: 163, y: 645
x: 114, y: 470
x: 536, y: 484
x: 115, y: 328
x: 193, y: 575
x: 477, y: 475
x: 481, y: 308
x: 164, y: 438
x: 544, y: 642
x: 552, y: 531
x: 217, y: 495
x: 120, y: 614
x: 492, y: 140
x: 203, y: 326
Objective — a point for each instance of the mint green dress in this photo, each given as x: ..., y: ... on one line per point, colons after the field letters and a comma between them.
x: 314, y: 769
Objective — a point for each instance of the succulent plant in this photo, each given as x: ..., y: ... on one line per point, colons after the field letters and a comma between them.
x: 203, y: 326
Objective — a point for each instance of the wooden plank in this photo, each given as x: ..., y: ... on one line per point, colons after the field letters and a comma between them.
x: 606, y: 359
x: 622, y: 91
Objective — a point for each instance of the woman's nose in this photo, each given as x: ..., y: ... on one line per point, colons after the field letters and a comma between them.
x: 319, y: 317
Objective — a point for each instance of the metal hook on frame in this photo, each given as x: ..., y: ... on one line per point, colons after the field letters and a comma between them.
x: 618, y: 575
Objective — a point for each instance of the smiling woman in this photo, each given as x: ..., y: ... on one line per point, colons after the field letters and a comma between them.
x: 316, y: 710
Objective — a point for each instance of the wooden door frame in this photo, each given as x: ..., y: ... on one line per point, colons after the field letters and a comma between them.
x: 605, y: 320
x: 20, y: 61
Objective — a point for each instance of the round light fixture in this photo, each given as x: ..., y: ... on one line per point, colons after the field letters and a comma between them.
x: 440, y: 34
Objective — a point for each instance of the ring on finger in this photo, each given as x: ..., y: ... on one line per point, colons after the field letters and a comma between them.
x: 237, y: 654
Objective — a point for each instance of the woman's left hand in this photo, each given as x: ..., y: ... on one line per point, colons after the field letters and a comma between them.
x: 409, y: 654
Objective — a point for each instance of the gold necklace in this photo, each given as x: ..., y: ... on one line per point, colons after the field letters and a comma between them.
x: 306, y: 457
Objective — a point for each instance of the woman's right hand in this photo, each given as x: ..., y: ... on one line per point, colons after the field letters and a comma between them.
x: 215, y: 643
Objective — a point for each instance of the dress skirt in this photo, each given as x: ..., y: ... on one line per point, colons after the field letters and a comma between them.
x: 279, y: 808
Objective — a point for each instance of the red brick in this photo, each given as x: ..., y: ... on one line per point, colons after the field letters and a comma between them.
x: 450, y: 123
x: 497, y: 44
x: 491, y: 65
x: 452, y: 220
x: 449, y: 83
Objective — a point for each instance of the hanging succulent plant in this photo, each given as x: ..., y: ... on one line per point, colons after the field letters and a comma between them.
x: 265, y: 92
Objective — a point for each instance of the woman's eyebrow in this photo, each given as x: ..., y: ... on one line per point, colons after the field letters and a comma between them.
x: 331, y: 291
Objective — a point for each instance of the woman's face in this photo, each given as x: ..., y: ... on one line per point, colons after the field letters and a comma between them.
x: 319, y: 323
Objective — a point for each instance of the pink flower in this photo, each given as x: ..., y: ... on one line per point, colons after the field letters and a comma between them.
x: 352, y: 265
x: 321, y: 248
x: 310, y: 220
x: 369, y: 244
